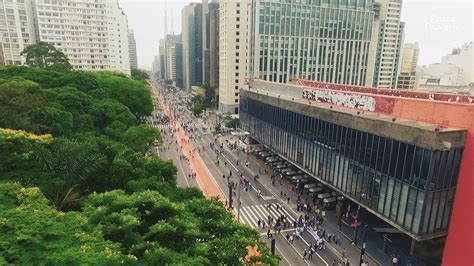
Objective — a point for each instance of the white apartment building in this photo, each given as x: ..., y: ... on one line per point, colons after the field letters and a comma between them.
x: 132, y: 46
x: 387, y: 38
x: 93, y: 34
x: 233, y: 51
x: 16, y: 30
x: 455, y: 69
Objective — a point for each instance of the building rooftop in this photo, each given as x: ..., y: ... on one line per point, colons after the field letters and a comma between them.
x: 348, y: 113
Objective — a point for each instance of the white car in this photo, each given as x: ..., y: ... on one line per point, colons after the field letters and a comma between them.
x: 324, y: 195
x: 311, y: 185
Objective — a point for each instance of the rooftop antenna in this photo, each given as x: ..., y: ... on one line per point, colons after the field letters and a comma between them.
x: 172, y: 27
x: 166, y: 21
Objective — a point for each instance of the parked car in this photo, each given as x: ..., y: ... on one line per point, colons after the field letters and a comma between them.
x: 315, y: 190
x: 266, y: 154
x: 310, y: 185
x: 324, y: 195
x: 329, y: 203
x: 290, y: 173
x: 295, y: 178
x: 258, y: 149
x: 287, y: 169
x: 279, y: 162
x: 273, y: 159
x: 303, y: 180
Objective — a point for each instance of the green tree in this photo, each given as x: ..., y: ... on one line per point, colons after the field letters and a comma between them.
x: 139, y: 138
x: 71, y: 166
x: 50, y: 120
x: 231, y: 122
x: 139, y: 74
x: 45, y: 55
x: 106, y: 112
x: 17, y: 97
x: 34, y: 233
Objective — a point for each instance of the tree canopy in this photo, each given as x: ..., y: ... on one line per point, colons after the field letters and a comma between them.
x: 45, y: 55
x: 80, y: 186
x: 139, y: 74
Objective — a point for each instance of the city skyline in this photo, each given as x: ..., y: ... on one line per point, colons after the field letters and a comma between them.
x: 435, y: 25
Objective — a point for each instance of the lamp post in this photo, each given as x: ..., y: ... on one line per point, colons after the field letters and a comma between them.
x: 356, y: 224
x: 362, y: 250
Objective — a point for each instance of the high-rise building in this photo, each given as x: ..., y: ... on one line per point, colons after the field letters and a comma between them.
x: 455, y: 69
x: 173, y: 59
x: 16, y: 29
x: 407, y: 79
x: 192, y: 40
x: 162, y: 55
x: 387, y: 34
x: 315, y: 40
x: 132, y: 46
x: 210, y: 42
x: 93, y: 34
x: 233, y: 36
x: 155, y: 67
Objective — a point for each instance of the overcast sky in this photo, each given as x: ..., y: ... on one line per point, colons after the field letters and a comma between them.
x: 437, y: 25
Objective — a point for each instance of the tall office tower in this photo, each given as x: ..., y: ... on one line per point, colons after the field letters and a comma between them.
x: 132, y: 47
x: 407, y: 79
x: 162, y: 55
x: 192, y: 41
x: 16, y: 30
x: 233, y: 47
x: 179, y: 65
x: 317, y: 40
x: 92, y: 33
x: 173, y: 59
x: 210, y: 42
x: 155, y: 67
x: 387, y: 33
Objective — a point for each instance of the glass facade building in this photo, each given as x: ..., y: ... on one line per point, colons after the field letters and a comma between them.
x: 409, y: 186
x: 312, y: 39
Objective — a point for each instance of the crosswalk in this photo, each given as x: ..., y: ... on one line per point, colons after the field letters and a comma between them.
x: 251, y: 214
x: 162, y: 126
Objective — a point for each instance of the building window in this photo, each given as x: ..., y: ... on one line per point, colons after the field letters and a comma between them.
x: 236, y: 87
x: 237, y: 74
x: 236, y: 94
x: 236, y: 100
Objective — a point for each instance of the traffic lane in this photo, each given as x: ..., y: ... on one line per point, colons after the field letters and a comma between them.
x: 219, y: 170
x: 288, y: 256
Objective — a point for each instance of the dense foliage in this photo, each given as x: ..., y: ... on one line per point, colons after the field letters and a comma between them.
x: 45, y: 55
x: 139, y: 74
x: 78, y: 186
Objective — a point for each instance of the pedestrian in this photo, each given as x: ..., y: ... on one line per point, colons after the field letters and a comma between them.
x: 310, y: 256
x: 304, y: 254
x: 288, y: 199
x: 259, y: 223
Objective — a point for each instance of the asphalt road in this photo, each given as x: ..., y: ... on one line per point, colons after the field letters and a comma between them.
x: 252, y: 207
